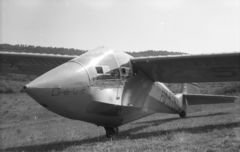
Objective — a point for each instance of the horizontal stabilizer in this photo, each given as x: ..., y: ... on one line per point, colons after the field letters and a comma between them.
x: 193, y: 99
x: 195, y: 102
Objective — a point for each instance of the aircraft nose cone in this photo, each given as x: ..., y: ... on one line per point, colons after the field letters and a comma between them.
x: 70, y: 76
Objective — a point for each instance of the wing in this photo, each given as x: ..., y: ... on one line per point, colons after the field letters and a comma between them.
x: 191, y: 68
x: 30, y: 63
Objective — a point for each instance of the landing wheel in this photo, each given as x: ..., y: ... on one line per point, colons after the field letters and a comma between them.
x: 111, y: 131
x: 182, y: 114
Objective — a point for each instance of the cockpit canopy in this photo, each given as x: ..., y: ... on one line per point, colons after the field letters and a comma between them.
x: 105, y: 64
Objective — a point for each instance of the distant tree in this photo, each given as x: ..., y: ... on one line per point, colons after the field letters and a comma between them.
x: 40, y: 49
x: 153, y: 53
x: 72, y: 51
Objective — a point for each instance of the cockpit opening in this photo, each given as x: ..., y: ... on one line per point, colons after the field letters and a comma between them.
x: 104, y: 73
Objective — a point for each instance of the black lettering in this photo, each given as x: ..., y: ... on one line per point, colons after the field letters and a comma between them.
x: 224, y: 72
x: 55, y: 91
x: 66, y: 92
x: 75, y: 91
x: 167, y: 100
x: 160, y: 94
x: 163, y: 97
x: 170, y: 102
x: 83, y: 90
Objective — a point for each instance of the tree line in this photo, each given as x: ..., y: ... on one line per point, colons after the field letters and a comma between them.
x: 72, y: 51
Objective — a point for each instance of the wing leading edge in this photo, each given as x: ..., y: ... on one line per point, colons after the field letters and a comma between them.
x: 171, y: 69
x: 191, y: 68
x: 30, y: 63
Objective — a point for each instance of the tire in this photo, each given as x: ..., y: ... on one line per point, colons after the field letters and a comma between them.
x: 182, y: 114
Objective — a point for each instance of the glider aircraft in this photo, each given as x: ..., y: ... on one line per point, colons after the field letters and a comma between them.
x: 110, y: 88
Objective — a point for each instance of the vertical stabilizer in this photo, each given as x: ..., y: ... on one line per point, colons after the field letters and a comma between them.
x: 190, y: 88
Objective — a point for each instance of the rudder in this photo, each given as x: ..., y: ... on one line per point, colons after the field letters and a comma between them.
x: 190, y: 88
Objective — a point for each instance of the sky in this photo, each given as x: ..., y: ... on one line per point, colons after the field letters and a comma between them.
x: 191, y: 26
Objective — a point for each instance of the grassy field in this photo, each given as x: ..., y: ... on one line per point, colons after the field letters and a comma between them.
x: 26, y: 126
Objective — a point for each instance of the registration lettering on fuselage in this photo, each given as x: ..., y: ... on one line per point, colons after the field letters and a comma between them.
x: 68, y: 91
x: 168, y: 99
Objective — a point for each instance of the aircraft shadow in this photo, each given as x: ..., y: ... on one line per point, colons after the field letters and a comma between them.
x: 160, y: 121
x: 124, y: 134
x: 146, y: 124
